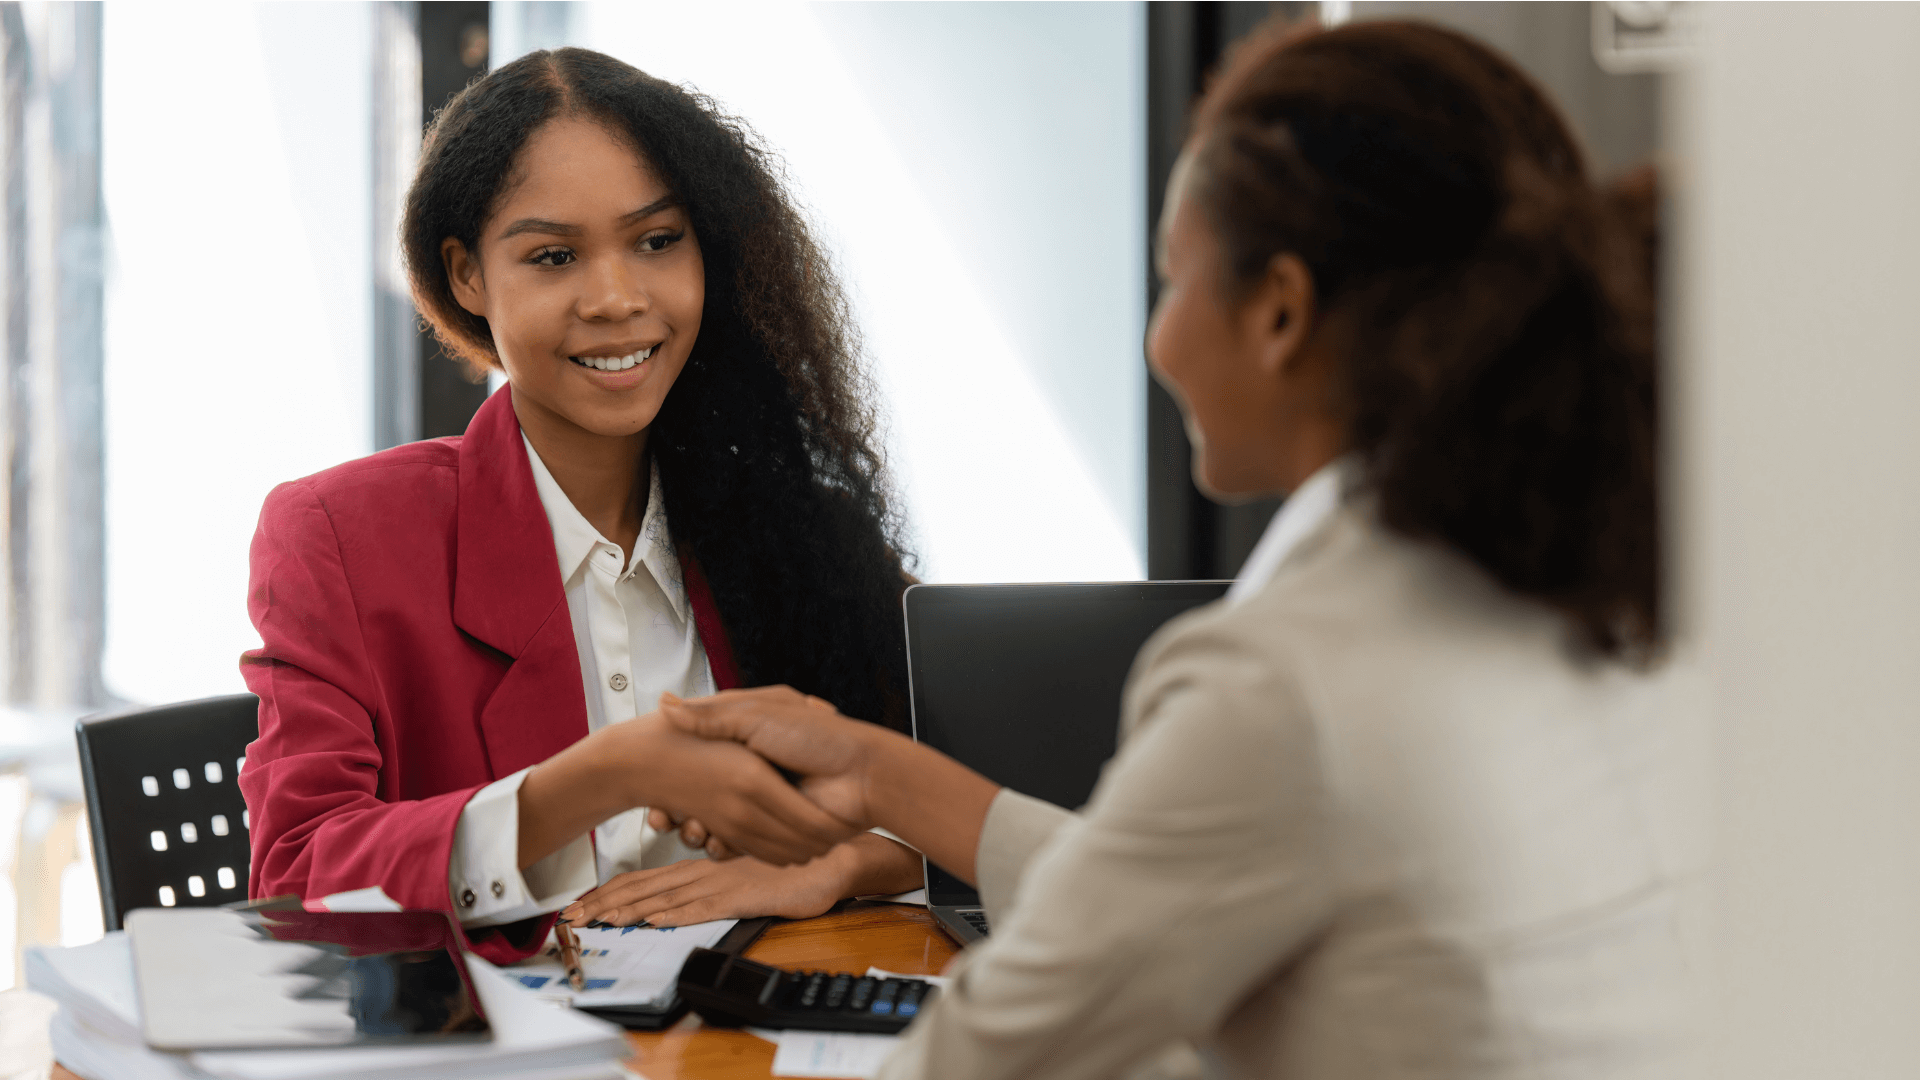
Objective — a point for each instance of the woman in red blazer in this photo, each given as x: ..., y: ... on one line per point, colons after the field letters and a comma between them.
x: 437, y: 720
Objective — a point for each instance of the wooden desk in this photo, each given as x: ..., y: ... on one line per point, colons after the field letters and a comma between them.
x: 891, y: 936
x: 896, y: 937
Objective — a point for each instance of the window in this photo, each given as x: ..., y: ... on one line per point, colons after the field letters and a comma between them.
x: 977, y: 168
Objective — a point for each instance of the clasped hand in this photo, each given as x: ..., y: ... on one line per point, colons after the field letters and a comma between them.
x: 850, y: 776
x: 802, y: 734
x: 859, y: 774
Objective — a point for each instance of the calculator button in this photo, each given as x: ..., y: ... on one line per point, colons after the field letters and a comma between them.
x: 837, y: 990
x: 862, y: 994
x: 810, y: 995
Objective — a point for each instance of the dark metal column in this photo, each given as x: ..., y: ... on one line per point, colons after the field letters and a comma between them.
x: 396, y: 149
x: 1182, y: 40
x: 424, y: 54
x: 453, y: 52
x: 1188, y: 535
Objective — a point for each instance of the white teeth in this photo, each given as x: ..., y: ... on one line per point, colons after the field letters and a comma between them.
x: 614, y: 363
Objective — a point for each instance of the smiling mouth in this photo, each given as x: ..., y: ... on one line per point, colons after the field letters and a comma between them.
x: 613, y: 363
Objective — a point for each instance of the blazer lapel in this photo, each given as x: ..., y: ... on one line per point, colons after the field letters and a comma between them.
x: 706, y: 620
x: 508, y: 594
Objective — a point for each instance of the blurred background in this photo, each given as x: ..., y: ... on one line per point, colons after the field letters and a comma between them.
x: 202, y: 299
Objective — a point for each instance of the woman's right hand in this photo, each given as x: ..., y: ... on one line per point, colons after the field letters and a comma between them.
x: 860, y: 773
x: 732, y: 791
x: 798, y: 732
x: 648, y: 761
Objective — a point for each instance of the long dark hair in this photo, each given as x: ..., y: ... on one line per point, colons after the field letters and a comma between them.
x: 1493, y: 310
x: 767, y: 443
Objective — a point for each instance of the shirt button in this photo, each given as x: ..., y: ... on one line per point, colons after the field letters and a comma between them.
x: 499, y: 890
x: 618, y: 681
x: 466, y: 898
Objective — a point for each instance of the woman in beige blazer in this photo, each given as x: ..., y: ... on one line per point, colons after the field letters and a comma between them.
x: 1381, y: 813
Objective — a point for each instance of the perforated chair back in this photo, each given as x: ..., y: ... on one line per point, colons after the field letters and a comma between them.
x: 163, y: 802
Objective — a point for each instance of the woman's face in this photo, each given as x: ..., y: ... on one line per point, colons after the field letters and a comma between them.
x: 1241, y: 363
x: 590, y: 278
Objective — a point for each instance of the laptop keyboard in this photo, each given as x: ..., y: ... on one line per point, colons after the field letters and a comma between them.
x: 977, y: 920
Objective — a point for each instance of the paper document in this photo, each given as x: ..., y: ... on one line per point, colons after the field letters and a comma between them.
x: 624, y: 965
x: 840, y: 1055
x: 940, y: 981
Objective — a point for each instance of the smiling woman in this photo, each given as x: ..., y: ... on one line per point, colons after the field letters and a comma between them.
x: 593, y: 307
x: 465, y: 639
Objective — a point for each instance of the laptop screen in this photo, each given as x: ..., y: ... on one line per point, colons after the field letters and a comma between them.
x: 1022, y: 682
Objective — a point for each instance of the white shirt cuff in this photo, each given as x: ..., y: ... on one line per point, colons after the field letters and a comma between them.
x: 878, y: 831
x: 911, y: 896
x: 483, y: 875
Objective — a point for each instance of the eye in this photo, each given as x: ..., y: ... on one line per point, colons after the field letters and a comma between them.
x: 552, y: 256
x: 661, y: 241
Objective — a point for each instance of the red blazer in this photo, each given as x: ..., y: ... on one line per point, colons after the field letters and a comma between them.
x: 416, y: 647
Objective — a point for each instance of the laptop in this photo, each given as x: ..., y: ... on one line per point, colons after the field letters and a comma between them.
x: 1022, y: 684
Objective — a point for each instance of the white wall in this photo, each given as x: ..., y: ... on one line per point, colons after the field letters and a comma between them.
x: 1800, y: 512
x: 977, y: 168
x: 237, y: 181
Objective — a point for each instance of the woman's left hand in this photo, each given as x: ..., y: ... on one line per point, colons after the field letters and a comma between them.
x: 700, y: 890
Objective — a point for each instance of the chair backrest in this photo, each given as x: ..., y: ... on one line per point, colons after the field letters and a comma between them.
x: 163, y: 798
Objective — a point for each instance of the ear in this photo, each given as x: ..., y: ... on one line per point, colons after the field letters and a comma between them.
x: 463, y: 275
x: 1280, y: 314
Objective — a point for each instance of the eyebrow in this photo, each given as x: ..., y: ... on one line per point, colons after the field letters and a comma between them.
x: 560, y: 228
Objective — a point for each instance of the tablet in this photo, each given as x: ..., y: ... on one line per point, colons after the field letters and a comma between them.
x: 274, y: 978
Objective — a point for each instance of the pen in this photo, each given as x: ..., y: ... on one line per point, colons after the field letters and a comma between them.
x: 570, y: 955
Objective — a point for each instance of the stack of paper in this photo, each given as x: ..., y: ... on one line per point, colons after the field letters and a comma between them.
x: 623, y: 965
x: 96, y: 1034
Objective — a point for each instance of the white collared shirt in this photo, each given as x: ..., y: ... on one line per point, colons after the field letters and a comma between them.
x: 1310, y: 504
x: 636, y: 637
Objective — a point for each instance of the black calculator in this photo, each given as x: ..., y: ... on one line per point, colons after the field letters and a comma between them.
x: 733, y: 991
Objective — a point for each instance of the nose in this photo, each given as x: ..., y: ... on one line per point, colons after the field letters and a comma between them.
x: 612, y: 292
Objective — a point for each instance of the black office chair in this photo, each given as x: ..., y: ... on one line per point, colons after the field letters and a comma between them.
x: 163, y: 801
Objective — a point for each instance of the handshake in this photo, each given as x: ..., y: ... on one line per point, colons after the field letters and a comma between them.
x: 712, y: 768
x: 750, y: 808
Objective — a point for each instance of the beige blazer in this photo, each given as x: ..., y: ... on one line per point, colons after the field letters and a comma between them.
x: 1377, y: 820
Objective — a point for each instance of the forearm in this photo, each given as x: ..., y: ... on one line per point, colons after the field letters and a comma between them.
x: 565, y: 796
x: 929, y: 800
x: 871, y: 865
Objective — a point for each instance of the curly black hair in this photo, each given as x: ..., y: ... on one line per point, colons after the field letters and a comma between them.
x: 1493, y: 309
x: 767, y: 444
